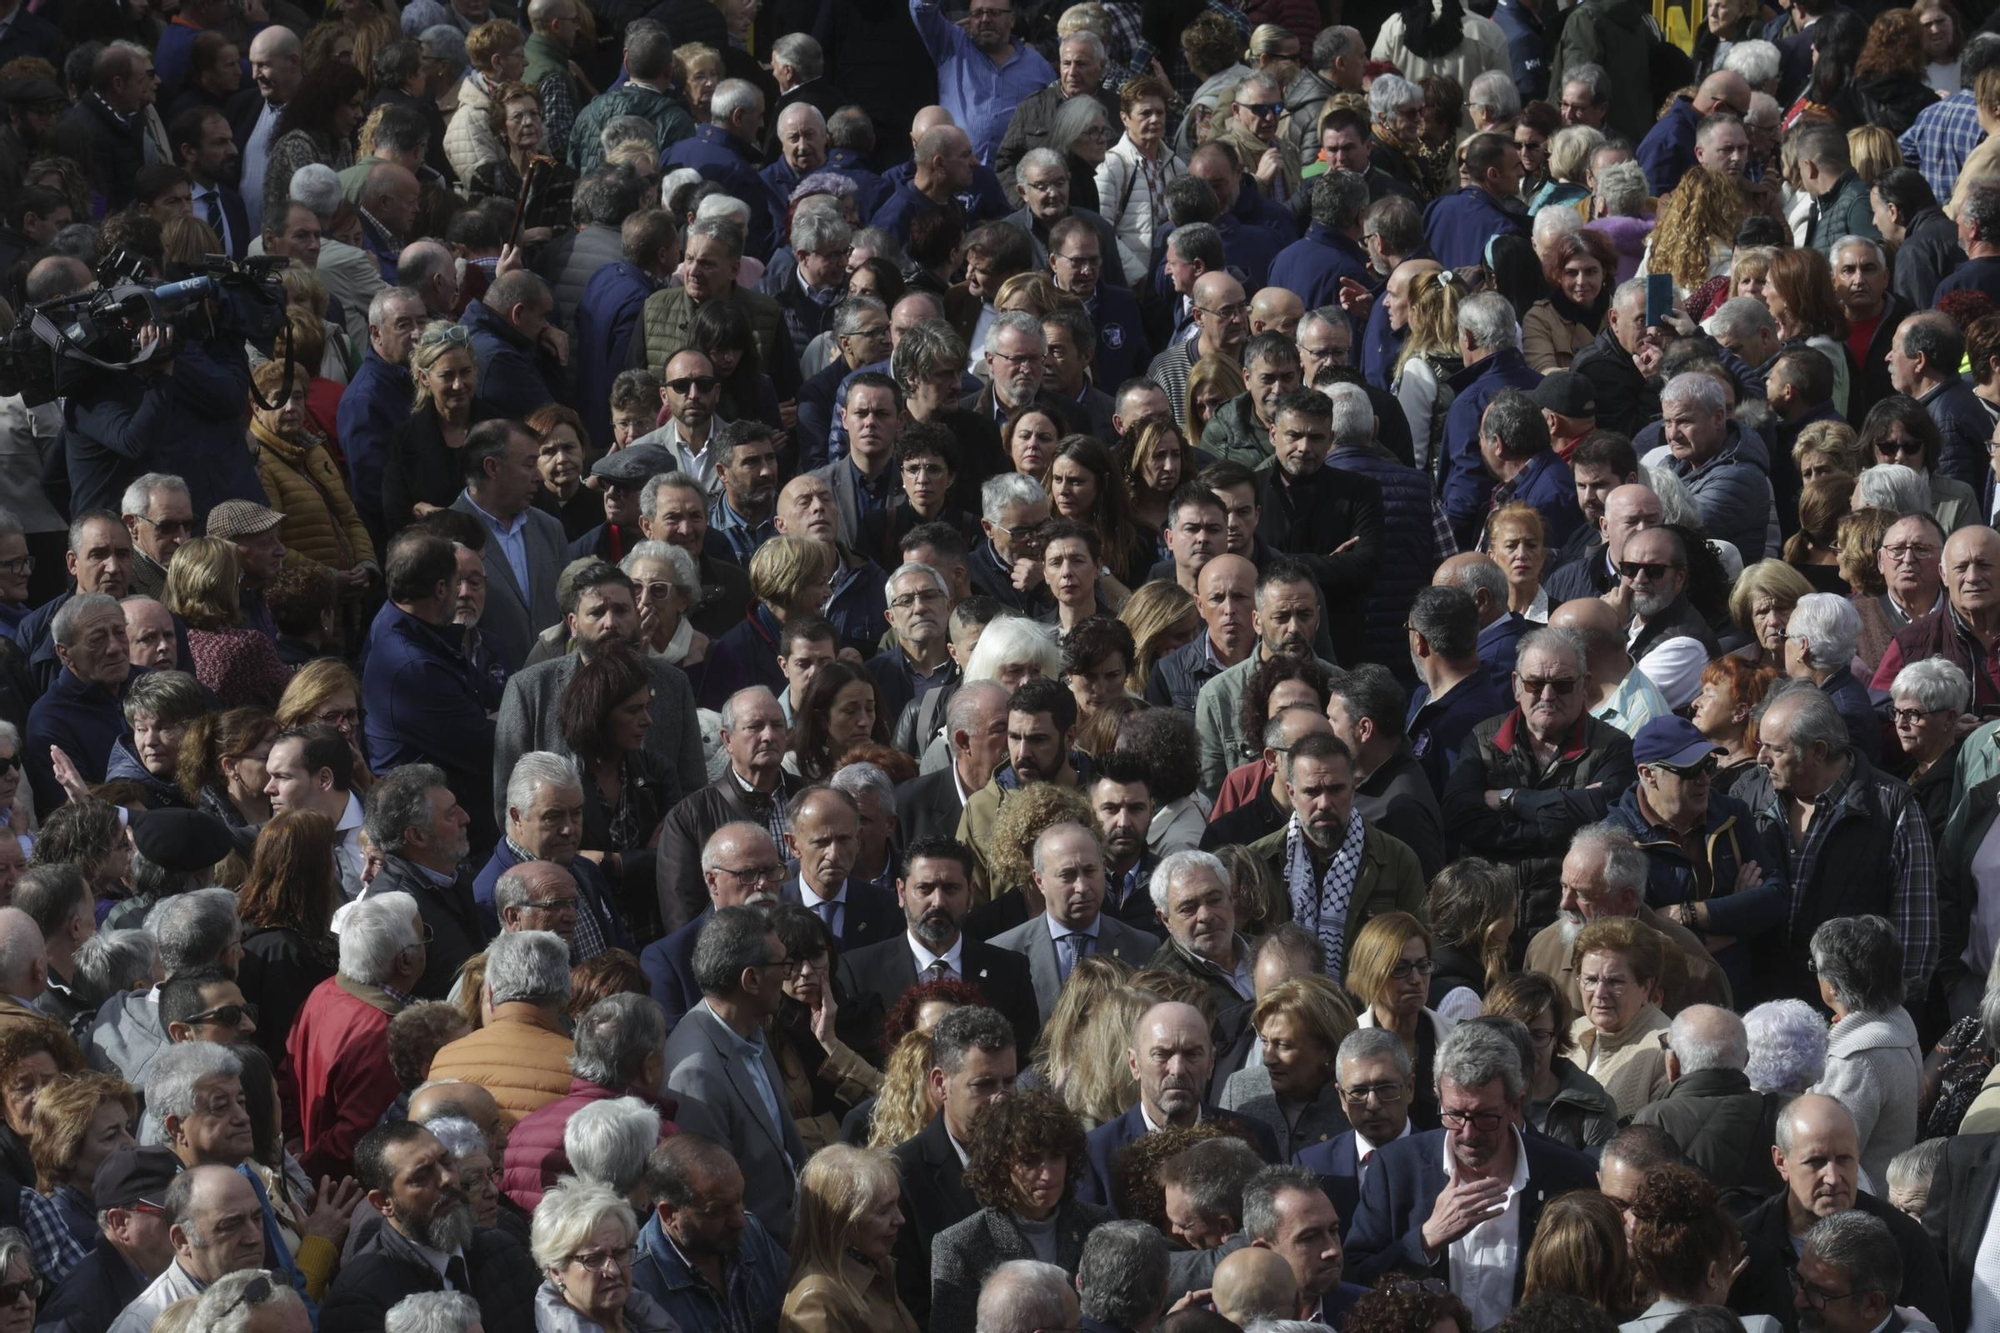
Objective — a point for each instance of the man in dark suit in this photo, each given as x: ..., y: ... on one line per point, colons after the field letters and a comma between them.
x: 973, y: 1065
x: 741, y: 867
x: 1850, y: 1275
x: 1173, y: 1052
x: 1285, y: 1211
x: 1376, y: 1085
x: 824, y: 836
x: 936, y: 893
x: 975, y: 725
x: 500, y: 486
x: 1425, y: 1196
x: 204, y: 146
x: 1959, y: 1213
x: 1818, y: 1155
x: 429, y: 1238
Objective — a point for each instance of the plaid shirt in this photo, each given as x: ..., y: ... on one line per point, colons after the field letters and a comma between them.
x: 1910, y: 852
x: 55, y: 1246
x: 1447, y: 540
x: 1943, y: 137
x: 1128, y: 52
x: 588, y: 941
x: 558, y: 113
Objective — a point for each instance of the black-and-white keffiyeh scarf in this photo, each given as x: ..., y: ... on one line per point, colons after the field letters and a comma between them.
x: 1321, y: 906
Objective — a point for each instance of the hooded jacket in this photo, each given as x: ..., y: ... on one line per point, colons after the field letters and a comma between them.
x: 127, y: 1035
x: 1733, y: 495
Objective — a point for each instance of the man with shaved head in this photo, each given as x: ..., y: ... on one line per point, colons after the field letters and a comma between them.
x: 1818, y: 1156
x: 1253, y: 1284
x: 1668, y: 150
x: 1626, y: 509
x: 941, y: 166
x: 1621, y: 693
x: 1278, y: 309
x: 1172, y: 1052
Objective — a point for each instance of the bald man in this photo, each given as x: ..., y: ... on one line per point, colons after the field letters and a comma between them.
x: 1972, y: 585
x: 1254, y: 1284
x: 1818, y: 1155
x: 970, y: 181
x: 1623, y: 695
x: 1667, y: 151
x: 1172, y: 1052
x: 1276, y: 308
x: 26, y: 958
x: 1630, y: 508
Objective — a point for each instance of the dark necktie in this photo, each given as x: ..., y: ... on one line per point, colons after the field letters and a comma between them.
x: 455, y: 1273
x: 212, y: 205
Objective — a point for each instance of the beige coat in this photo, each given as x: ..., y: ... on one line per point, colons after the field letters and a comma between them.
x: 817, y: 1303
x: 1631, y: 1066
x: 469, y: 139
x: 1549, y: 341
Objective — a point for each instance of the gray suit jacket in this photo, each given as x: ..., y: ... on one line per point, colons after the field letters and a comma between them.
x: 528, y: 722
x: 1032, y: 940
x: 963, y: 1255
x: 515, y: 615
x: 719, y: 1099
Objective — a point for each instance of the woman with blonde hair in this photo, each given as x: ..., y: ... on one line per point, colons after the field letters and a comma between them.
x: 904, y: 1103
x: 1293, y: 1090
x: 1828, y: 447
x: 1516, y: 541
x: 1082, y: 1049
x: 701, y: 69
x: 1750, y: 271
x: 583, y: 1240
x: 1032, y: 292
x: 1761, y: 604
x: 1694, y: 238
x: 843, y: 1278
x: 1471, y: 909
x: 424, y: 472
x: 1163, y: 618
x: 78, y: 1121
x: 186, y: 241
x: 1579, y: 1250
x: 790, y: 576
x: 1389, y: 969
x: 235, y: 662
x: 326, y: 690
x: 1429, y: 357
x: 1212, y: 381
x: 1156, y: 461
x: 1872, y: 150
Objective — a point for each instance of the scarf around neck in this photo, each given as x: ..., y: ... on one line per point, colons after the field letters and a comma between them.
x: 1319, y: 904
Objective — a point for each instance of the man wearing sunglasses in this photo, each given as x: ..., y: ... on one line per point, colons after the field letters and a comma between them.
x: 1466, y: 1198
x: 1668, y: 638
x: 1605, y: 874
x: 206, y: 1006
x: 1528, y: 779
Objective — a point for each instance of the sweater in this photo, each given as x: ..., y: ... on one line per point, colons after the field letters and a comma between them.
x: 1631, y: 1065
x: 1873, y: 1067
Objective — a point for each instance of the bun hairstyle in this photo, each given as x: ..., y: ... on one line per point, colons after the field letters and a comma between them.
x: 1679, y: 1229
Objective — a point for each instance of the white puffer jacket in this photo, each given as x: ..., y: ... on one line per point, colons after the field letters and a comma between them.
x: 469, y: 139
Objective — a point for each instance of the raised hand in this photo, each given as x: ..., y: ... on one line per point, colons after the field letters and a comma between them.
x: 1463, y: 1205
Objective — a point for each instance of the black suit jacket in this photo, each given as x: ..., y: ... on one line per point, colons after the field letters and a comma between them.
x: 928, y: 805
x: 1339, y: 1168
x: 934, y: 1197
x: 1765, y: 1287
x: 1405, y: 1180
x: 1309, y: 520
x: 879, y: 974
x: 1101, y: 1145
x: 871, y: 916
x: 371, y: 1283
x: 1960, y: 1209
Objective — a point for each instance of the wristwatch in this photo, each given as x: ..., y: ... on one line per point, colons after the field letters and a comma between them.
x: 1507, y: 800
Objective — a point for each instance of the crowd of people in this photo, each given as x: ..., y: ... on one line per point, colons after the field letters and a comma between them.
x: 825, y: 666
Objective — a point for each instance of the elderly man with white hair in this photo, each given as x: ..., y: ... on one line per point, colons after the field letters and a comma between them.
x: 24, y: 967
x: 1744, y: 326
x: 522, y: 1055
x: 1819, y: 644
x: 338, y: 1046
x: 251, y: 1300
x: 1709, y: 457
x: 1026, y: 1296
x: 1081, y: 62
x: 545, y: 824
x: 1718, y: 1121
x: 723, y: 151
x: 1489, y: 339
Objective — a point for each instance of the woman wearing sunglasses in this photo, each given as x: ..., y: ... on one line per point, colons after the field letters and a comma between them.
x: 1900, y: 430
x: 21, y: 1288
x: 1389, y: 970
x: 423, y: 472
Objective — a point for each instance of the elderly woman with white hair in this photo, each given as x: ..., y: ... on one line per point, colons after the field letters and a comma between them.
x: 1895, y: 487
x: 608, y: 1143
x: 583, y: 1240
x: 1819, y: 647
x: 433, y: 1312
x: 1568, y: 185
x: 1873, y: 1061
x: 666, y: 582
x: 1926, y: 701
x: 1081, y: 132
x: 1788, y: 1041
x: 1012, y: 651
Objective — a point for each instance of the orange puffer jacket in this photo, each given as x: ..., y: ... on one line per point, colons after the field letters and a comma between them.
x: 320, y: 520
x: 522, y: 1063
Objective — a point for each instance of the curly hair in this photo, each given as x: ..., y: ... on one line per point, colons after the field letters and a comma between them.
x: 1253, y: 710
x: 902, y: 1016
x: 1579, y: 1248
x: 1982, y: 346
x: 1703, y: 212
x: 903, y: 1103
x: 1895, y: 46
x: 1966, y: 307
x: 1404, y: 1304
x: 1166, y: 740
x: 1678, y: 1229
x: 31, y: 1037
x: 1837, y: 440
x: 1017, y: 1131
x: 1525, y: 996
x: 1135, y: 1168
x: 1011, y: 851
x: 1859, y: 537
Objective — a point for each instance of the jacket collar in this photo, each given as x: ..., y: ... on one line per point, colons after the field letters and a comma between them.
x: 1514, y: 729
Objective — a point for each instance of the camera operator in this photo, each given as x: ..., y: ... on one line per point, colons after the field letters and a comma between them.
x: 181, y: 412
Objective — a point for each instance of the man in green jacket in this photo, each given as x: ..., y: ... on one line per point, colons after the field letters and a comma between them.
x: 1841, y: 206
x: 1240, y: 430
x: 648, y: 92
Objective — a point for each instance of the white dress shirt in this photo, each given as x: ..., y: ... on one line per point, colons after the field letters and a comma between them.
x: 1484, y: 1259
x: 925, y: 958
x: 1363, y: 1150
x: 349, y: 849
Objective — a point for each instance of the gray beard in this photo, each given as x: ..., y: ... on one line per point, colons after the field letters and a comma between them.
x: 446, y: 1231
x: 1650, y: 606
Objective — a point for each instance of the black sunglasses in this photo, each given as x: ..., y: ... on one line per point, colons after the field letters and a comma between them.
x: 8, y: 763
x: 1632, y: 569
x: 699, y: 383
x: 228, y: 1015
x: 10, y: 1292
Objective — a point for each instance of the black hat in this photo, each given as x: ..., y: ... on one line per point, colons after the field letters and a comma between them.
x: 635, y: 465
x: 1567, y: 394
x: 134, y: 1175
x: 32, y: 92
x: 181, y: 841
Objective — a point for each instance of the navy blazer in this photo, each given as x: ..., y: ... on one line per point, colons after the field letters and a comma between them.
x: 1339, y: 1168
x: 1404, y: 1182
x: 669, y: 967
x: 1101, y: 1145
x: 871, y: 915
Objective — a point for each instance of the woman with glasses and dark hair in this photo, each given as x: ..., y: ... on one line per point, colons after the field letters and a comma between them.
x: 1564, y: 1103
x: 1926, y: 701
x: 604, y: 714
x: 1899, y: 430
x: 1389, y: 970
x: 422, y: 471
x: 286, y: 904
x: 824, y: 1078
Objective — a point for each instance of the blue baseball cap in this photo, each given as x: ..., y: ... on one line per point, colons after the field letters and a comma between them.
x: 1673, y: 741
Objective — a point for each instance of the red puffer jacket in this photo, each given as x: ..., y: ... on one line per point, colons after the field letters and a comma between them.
x: 535, y: 1155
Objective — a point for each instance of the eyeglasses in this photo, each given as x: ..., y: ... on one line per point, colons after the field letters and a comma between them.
x: 1814, y: 1296
x: 922, y: 470
x: 1382, y: 1094
x: 603, y: 1259
x: 173, y: 527
x: 1082, y: 261
x: 1405, y: 969
x: 755, y: 874
x: 1894, y: 448
x: 698, y: 383
x: 908, y: 600
x: 9, y: 763
x: 1485, y: 1122
x: 255, y: 1292
x: 1228, y: 312
x: 1694, y: 772
x: 1561, y: 685
x: 1909, y: 715
x: 20, y: 564
x: 455, y: 334
x: 1263, y: 110
x: 227, y: 1015
x: 1910, y: 551
x: 552, y: 904
x: 338, y: 717
x: 1632, y: 569
x: 1033, y: 359
x: 1542, y: 1037
x: 880, y: 331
